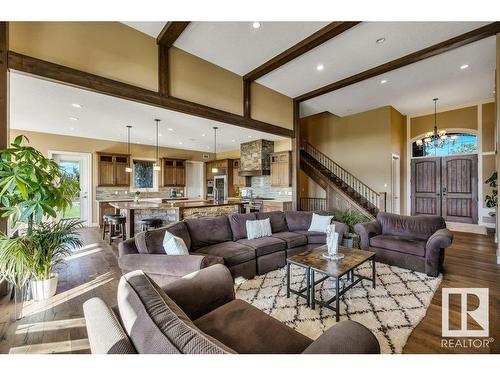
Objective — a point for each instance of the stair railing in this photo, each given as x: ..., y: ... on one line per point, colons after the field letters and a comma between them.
x: 312, y: 204
x: 346, y: 177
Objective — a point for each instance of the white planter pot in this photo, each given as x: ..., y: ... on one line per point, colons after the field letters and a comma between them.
x: 44, y: 289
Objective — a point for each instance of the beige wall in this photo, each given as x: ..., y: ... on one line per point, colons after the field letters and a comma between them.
x: 488, y: 127
x: 361, y: 143
x: 109, y: 49
x: 45, y: 142
x: 465, y: 118
x: 398, y: 146
x: 271, y: 106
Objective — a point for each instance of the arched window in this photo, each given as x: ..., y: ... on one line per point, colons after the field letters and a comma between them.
x: 464, y: 144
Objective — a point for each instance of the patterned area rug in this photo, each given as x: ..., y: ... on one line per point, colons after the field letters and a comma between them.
x: 391, y: 311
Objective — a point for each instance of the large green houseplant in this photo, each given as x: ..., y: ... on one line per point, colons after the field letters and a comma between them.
x: 33, y: 193
x: 350, y: 218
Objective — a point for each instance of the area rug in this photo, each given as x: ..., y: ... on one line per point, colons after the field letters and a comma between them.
x: 391, y: 310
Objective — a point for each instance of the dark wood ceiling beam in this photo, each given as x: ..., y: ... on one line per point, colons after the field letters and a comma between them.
x: 319, y: 37
x: 448, y: 45
x: 247, y: 100
x: 44, y: 69
x: 170, y: 32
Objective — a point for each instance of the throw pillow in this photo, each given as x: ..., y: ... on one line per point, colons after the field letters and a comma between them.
x: 174, y: 245
x: 258, y: 228
x: 319, y: 223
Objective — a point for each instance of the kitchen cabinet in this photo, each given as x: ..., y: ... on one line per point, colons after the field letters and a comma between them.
x: 268, y: 206
x: 111, y: 169
x: 239, y: 181
x: 280, y: 169
x: 174, y: 172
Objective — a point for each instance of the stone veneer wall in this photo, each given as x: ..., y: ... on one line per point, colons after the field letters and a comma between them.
x: 261, y: 186
x: 254, y: 155
x: 113, y: 193
x: 196, y: 213
x: 168, y: 215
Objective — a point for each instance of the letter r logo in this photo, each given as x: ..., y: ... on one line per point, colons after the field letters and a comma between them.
x: 479, y: 315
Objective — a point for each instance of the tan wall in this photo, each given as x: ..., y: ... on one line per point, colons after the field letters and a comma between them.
x: 233, y: 154
x: 398, y: 145
x: 360, y: 143
x: 271, y: 106
x: 45, y: 142
x: 464, y: 118
x: 488, y: 127
x: 109, y: 49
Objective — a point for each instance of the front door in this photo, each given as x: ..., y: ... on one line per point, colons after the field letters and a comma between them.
x: 76, y: 167
x: 445, y: 186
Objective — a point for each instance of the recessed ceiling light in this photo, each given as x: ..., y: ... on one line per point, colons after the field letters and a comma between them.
x: 160, y: 135
x: 170, y: 129
x: 320, y: 67
x: 71, y: 128
x: 380, y: 40
x: 256, y: 25
x: 73, y: 119
x: 233, y: 140
x: 383, y: 81
x: 249, y: 136
x: 465, y: 66
x: 180, y: 143
x: 203, y: 135
x: 76, y: 105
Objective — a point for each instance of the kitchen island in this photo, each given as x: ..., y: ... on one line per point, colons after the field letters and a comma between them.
x: 173, y: 211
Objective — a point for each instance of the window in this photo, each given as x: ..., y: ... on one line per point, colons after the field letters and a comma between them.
x: 465, y: 144
x: 143, y: 175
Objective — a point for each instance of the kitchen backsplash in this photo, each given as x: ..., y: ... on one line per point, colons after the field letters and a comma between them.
x: 261, y: 186
x: 112, y: 193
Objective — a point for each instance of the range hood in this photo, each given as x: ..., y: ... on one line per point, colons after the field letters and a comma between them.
x: 255, y: 158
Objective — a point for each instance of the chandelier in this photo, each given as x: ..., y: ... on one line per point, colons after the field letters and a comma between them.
x: 435, y: 138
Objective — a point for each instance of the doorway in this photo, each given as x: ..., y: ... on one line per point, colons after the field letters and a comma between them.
x: 396, y: 184
x: 77, y: 166
x: 445, y: 186
x: 194, y: 180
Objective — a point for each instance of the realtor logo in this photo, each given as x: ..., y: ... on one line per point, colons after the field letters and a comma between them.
x: 477, y: 316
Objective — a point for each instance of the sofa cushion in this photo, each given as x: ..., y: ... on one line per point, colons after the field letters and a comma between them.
x: 277, y: 218
x: 292, y: 239
x: 247, y: 329
x: 238, y: 224
x: 233, y: 252
x: 298, y: 220
x: 210, y: 231
x: 418, y: 227
x: 151, y: 241
x: 155, y: 324
x: 313, y: 237
x: 264, y: 245
x: 400, y: 244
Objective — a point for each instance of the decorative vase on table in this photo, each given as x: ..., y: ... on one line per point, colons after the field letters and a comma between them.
x: 332, y: 244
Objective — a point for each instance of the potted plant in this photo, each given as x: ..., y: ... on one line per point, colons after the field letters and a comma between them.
x: 492, y: 200
x: 350, y: 218
x: 33, y: 191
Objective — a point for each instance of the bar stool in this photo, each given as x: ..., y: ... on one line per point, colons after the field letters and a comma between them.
x: 151, y: 223
x: 116, y: 225
x: 105, y: 221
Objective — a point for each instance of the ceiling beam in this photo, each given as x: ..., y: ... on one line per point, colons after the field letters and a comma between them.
x: 319, y: 37
x: 170, y: 32
x: 73, y: 77
x: 439, y: 48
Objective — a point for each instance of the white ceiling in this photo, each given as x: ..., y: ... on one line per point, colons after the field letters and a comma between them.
x: 44, y: 106
x: 410, y: 89
x: 238, y: 47
x: 151, y: 28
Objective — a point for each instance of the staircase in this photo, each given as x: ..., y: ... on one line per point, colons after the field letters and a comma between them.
x: 326, y: 172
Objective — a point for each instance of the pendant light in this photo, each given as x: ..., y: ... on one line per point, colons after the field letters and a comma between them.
x: 156, y: 166
x: 128, y: 169
x: 215, y: 169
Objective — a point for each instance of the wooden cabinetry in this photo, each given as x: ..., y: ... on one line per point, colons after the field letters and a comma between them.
x: 111, y: 169
x: 239, y: 181
x: 174, y: 172
x: 268, y: 206
x: 280, y: 169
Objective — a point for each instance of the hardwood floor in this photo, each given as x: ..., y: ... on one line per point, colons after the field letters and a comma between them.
x: 57, y: 325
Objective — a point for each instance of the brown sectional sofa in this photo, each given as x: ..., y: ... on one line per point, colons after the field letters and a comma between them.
x: 199, y: 314
x: 222, y: 239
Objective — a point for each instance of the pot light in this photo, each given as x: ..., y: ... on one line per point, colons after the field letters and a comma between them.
x: 249, y: 136
x: 203, y: 135
x: 73, y: 119
x: 465, y: 66
x: 320, y: 67
x: 383, y: 81
x: 160, y: 135
x: 71, y: 128
x: 380, y: 40
x: 233, y: 140
x: 170, y: 129
x: 76, y: 105
x: 256, y: 25
x: 180, y: 143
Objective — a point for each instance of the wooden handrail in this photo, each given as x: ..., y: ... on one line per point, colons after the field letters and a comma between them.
x: 312, y: 204
x: 345, y: 176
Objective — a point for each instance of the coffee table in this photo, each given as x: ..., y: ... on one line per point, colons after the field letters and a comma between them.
x: 313, y: 262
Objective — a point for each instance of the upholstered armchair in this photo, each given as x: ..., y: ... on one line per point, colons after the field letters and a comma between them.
x: 413, y: 242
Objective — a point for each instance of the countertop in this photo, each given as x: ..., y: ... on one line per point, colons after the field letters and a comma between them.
x: 128, y: 199
x: 175, y: 204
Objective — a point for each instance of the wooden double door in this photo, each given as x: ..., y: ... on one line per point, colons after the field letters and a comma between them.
x: 445, y: 186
